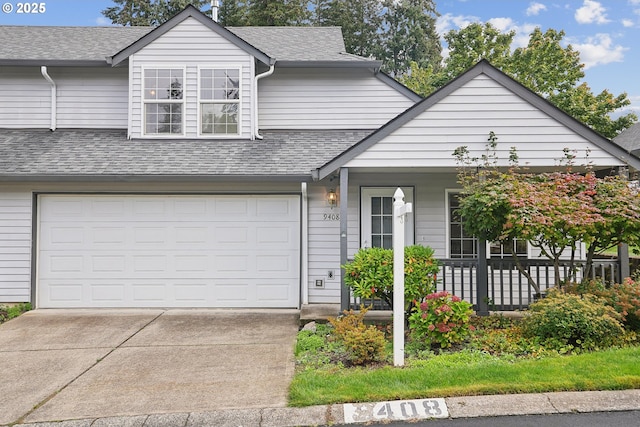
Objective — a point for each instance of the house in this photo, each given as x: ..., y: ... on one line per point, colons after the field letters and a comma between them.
x: 193, y: 165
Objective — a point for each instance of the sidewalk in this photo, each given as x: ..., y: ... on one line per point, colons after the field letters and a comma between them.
x: 458, y: 407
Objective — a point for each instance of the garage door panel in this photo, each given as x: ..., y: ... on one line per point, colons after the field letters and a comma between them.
x: 164, y: 251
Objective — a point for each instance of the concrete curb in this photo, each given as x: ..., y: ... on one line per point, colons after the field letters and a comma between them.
x: 459, y: 407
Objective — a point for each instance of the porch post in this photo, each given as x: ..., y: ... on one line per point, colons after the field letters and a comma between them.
x: 623, y: 248
x: 345, y: 295
x: 623, y: 261
x: 482, y: 279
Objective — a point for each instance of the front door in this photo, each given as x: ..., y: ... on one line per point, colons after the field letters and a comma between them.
x: 377, y: 217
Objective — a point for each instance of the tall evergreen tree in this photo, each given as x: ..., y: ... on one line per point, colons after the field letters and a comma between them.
x: 410, y: 36
x: 146, y: 12
x: 232, y: 13
x: 361, y: 22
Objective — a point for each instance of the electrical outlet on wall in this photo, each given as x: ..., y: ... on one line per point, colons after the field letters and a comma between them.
x: 319, y: 283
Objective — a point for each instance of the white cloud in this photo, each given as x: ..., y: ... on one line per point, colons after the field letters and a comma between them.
x: 627, y: 23
x: 535, y: 8
x: 502, y: 24
x: 103, y: 21
x: 590, y: 12
x: 599, y: 50
x: 448, y: 22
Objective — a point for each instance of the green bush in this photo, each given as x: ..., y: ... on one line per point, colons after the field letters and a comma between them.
x: 568, y: 322
x: 370, y: 274
x: 364, y: 344
x: 441, y: 320
x: 623, y: 297
x: 10, y: 312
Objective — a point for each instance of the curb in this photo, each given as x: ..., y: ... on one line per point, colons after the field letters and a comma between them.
x: 458, y: 407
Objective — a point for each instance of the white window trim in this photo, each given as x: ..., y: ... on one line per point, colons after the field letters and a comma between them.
x: 200, y: 101
x: 143, y: 116
x: 365, y: 212
x: 447, y: 227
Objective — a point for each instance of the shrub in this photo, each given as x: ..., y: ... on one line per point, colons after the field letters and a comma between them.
x: 370, y: 274
x: 10, y: 312
x: 567, y: 322
x: 441, y: 319
x: 625, y: 299
x: 364, y: 344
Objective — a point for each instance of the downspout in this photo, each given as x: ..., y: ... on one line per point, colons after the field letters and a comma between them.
x: 255, y: 99
x: 54, y: 101
x: 304, y: 252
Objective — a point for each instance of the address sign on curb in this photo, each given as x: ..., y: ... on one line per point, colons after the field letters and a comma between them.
x: 399, y: 410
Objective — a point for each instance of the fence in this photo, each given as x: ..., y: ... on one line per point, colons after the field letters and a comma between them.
x: 507, y: 288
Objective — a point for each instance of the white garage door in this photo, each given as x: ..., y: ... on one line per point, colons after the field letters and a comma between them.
x: 168, y: 251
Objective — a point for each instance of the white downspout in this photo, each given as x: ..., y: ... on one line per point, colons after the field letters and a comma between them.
x: 256, y: 128
x: 304, y: 253
x: 54, y: 100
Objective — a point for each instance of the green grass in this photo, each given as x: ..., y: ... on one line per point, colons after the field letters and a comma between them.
x: 468, y: 373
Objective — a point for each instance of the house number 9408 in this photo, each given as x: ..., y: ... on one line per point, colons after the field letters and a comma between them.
x: 331, y: 217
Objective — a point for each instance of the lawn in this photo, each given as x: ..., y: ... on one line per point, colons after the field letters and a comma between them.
x: 492, y: 362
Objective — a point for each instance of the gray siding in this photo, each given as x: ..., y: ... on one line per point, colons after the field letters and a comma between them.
x: 190, y: 44
x: 465, y: 118
x: 92, y: 97
x: 324, y: 234
x: 15, y: 246
x: 303, y: 98
x: 25, y: 98
x: 86, y: 97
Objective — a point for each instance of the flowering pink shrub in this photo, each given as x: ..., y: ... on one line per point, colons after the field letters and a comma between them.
x: 442, y: 320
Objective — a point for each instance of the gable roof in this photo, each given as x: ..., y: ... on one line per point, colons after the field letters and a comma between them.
x: 107, y: 154
x: 482, y: 67
x: 629, y: 139
x: 190, y: 12
x: 95, y: 46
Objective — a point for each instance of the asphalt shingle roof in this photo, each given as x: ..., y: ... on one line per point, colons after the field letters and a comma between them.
x: 629, y: 139
x: 66, y: 43
x: 26, y: 43
x: 34, y: 153
x: 297, y: 43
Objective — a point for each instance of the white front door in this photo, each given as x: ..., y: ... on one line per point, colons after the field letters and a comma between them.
x: 376, y: 217
x: 168, y: 251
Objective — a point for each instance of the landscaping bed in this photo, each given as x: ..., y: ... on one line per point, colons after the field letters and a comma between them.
x: 566, y: 342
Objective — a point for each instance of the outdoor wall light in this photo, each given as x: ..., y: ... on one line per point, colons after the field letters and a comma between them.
x: 332, y: 198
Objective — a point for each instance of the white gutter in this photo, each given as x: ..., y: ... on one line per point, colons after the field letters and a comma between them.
x: 304, y: 252
x: 54, y: 101
x: 256, y: 128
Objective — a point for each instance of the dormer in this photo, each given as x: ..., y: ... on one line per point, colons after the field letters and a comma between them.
x: 192, y: 78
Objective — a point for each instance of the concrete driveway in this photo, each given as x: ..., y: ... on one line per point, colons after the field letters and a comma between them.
x: 73, y: 364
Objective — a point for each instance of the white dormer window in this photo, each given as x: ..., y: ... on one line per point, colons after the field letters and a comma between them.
x: 163, y: 101
x: 219, y: 95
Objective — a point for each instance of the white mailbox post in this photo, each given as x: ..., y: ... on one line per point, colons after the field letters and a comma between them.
x: 400, y: 210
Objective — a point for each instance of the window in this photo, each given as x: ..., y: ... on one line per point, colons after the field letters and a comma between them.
x: 464, y: 245
x: 163, y: 101
x: 502, y: 250
x: 219, y: 101
x: 377, y: 217
x: 461, y: 244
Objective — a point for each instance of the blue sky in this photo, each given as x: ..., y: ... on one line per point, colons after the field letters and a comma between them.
x: 606, y: 33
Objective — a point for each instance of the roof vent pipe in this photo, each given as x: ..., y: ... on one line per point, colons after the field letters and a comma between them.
x: 215, y: 6
x: 54, y: 101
